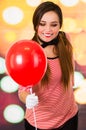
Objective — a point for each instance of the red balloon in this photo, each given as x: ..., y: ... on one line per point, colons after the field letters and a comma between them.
x: 26, y: 62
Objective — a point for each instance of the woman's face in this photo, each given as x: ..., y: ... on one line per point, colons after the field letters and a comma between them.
x: 49, y: 26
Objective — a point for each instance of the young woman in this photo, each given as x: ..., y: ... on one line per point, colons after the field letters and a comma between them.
x: 53, y: 99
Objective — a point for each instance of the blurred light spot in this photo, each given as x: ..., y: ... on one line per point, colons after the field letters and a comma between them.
x: 69, y: 24
x: 54, y: 1
x: 69, y: 2
x: 27, y: 33
x: 79, y: 45
x: 2, y: 65
x: 80, y: 95
x: 8, y: 84
x: 78, y: 79
x: 83, y: 84
x: 83, y: 1
x: 33, y: 2
x: 13, y: 113
x: 10, y: 36
x: 13, y: 15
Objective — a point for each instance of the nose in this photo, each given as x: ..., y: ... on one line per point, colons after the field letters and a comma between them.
x: 48, y: 28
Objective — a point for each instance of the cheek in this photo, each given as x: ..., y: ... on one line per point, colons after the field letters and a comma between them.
x: 56, y: 31
x: 39, y: 30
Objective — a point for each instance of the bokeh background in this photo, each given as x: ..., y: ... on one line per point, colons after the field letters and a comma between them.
x: 15, y: 25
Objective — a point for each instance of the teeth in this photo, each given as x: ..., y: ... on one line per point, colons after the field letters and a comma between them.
x: 47, y: 34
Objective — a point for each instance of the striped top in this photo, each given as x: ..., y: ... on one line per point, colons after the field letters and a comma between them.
x: 56, y: 105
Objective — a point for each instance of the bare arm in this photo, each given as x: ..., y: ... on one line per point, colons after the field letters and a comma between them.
x: 22, y: 93
x: 22, y: 96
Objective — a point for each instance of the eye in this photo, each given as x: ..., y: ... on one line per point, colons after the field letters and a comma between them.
x: 54, y: 25
x: 42, y: 24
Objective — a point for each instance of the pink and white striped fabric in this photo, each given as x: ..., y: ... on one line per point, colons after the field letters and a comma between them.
x: 56, y: 105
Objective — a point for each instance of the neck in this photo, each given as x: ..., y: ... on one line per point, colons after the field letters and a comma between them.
x: 52, y: 42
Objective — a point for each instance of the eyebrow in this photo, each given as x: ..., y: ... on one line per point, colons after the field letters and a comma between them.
x: 51, y: 22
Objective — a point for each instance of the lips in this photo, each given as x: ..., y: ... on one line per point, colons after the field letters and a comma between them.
x: 47, y: 34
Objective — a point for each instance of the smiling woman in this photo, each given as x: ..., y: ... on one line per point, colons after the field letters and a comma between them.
x: 21, y: 27
x: 48, y: 28
x: 50, y: 94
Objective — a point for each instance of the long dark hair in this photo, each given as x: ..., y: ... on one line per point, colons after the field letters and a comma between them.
x: 64, y: 47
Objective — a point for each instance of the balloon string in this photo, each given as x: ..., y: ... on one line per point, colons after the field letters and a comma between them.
x: 34, y: 114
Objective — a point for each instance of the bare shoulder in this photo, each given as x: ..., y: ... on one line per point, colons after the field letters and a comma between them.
x: 68, y: 36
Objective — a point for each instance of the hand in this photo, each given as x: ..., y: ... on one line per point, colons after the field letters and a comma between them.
x: 31, y: 101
